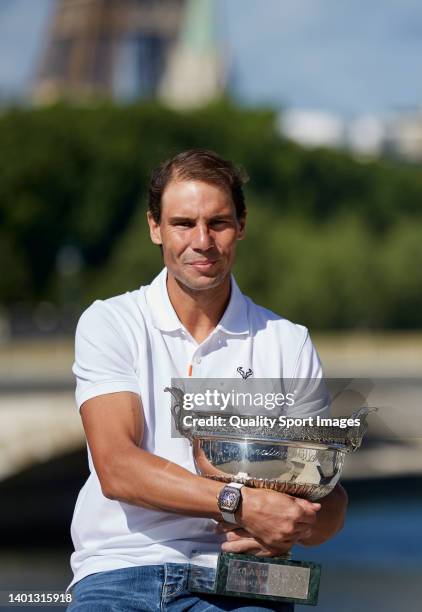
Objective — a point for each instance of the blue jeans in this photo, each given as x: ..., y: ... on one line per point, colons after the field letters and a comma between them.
x: 155, y: 588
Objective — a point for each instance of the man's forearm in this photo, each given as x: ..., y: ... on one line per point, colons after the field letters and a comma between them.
x: 330, y: 518
x: 138, y: 477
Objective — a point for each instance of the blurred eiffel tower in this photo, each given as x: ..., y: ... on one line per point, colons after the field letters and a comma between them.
x: 128, y: 49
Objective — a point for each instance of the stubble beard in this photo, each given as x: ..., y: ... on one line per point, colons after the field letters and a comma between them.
x: 195, y: 284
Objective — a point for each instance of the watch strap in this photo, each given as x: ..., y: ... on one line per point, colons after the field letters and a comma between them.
x: 228, y: 517
x: 236, y: 485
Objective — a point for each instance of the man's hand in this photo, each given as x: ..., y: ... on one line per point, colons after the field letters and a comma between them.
x: 240, y: 541
x: 275, y: 521
x: 326, y: 522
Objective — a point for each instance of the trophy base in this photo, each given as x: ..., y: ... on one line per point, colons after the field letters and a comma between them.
x: 273, y: 578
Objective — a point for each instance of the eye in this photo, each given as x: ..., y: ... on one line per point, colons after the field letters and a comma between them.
x: 184, y: 224
x: 218, y: 223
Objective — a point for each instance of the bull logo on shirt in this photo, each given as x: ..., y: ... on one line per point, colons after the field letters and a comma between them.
x: 243, y: 374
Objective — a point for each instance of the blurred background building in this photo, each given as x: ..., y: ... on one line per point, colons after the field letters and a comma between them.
x: 131, y: 49
x: 396, y: 134
x: 92, y: 42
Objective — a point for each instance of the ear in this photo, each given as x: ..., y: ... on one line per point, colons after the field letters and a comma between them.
x: 242, y: 227
x: 154, y: 229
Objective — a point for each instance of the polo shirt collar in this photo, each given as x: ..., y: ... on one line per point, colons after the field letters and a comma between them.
x: 234, y: 320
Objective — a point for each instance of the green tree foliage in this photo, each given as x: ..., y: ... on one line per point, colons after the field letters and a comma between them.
x: 332, y: 242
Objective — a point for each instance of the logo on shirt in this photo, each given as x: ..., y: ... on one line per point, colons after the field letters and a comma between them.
x: 243, y: 374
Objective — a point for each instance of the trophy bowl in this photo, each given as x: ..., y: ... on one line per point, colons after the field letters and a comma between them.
x: 303, y: 469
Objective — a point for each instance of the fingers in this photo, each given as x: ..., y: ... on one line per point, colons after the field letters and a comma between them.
x: 254, y: 547
x: 306, y: 519
x: 305, y: 534
x: 238, y: 534
x: 243, y: 545
x: 303, y: 539
x: 304, y: 512
x: 307, y: 506
x: 293, y: 533
x: 276, y: 551
x: 252, y: 543
x: 266, y: 553
x: 300, y: 532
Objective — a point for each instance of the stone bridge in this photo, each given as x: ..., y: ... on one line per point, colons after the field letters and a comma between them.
x: 39, y: 420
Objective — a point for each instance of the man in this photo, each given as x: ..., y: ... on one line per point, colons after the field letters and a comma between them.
x: 144, y: 511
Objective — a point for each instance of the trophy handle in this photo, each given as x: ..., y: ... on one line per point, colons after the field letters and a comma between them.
x: 177, y: 411
x: 355, y: 434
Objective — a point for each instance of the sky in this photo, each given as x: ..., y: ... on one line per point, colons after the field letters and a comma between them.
x: 345, y: 57
x: 22, y: 31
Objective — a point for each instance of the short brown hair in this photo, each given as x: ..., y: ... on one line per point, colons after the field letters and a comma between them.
x: 200, y: 165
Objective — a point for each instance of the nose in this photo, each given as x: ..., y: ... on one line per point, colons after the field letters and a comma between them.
x: 202, y: 239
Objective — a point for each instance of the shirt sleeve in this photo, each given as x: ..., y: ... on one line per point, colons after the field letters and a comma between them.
x: 105, y: 360
x: 312, y: 396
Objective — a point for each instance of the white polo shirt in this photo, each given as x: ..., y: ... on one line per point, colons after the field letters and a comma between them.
x: 135, y: 342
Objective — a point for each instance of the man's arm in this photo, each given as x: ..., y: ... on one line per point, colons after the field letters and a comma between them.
x: 114, y: 427
x: 330, y: 519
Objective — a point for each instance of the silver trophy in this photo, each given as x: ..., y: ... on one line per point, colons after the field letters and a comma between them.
x: 300, y: 461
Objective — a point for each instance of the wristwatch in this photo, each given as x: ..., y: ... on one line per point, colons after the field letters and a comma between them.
x: 228, y: 501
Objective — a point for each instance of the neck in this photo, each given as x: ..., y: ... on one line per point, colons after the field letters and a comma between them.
x: 199, y: 311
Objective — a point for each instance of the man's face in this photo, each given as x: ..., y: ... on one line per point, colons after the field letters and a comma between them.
x: 198, y: 232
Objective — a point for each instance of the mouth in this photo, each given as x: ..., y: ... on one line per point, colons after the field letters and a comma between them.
x: 203, y: 264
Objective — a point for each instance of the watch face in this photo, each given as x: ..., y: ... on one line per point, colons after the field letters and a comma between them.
x: 228, y: 499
